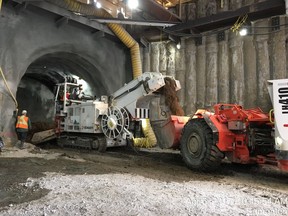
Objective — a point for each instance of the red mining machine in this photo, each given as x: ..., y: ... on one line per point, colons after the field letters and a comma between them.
x: 243, y: 136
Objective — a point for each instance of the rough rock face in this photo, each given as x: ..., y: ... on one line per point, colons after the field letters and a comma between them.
x: 232, y: 69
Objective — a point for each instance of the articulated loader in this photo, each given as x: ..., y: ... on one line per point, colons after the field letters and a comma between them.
x: 243, y: 136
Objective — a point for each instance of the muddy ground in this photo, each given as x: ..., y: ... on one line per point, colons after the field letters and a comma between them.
x: 32, y: 178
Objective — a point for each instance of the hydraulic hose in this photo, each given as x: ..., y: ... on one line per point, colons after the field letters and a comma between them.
x: 127, y: 39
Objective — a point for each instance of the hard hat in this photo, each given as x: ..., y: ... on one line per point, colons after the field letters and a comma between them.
x: 24, y: 112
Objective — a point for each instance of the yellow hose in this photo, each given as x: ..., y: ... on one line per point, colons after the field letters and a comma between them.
x: 136, y: 61
x: 0, y: 4
x: 72, y: 5
x: 6, y: 84
x: 118, y: 30
x: 271, y: 112
x: 150, y: 139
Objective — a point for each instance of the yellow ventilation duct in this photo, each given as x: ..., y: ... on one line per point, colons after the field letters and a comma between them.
x: 150, y: 139
x: 125, y: 37
x: 118, y: 30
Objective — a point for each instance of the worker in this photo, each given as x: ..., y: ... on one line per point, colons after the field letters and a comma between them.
x: 22, y: 126
x: 77, y: 93
x: 1, y: 144
x: 68, y: 102
x: 67, y: 96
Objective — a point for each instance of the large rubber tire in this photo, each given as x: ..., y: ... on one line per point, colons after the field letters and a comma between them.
x: 197, y: 147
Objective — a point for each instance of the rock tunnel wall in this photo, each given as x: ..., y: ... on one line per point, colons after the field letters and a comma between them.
x: 27, y: 37
x: 234, y: 70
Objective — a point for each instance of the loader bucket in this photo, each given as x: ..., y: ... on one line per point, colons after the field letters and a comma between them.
x: 43, y: 136
x: 167, y: 127
x: 168, y: 132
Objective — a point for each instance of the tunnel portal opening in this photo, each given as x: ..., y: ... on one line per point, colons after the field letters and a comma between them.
x: 36, y: 90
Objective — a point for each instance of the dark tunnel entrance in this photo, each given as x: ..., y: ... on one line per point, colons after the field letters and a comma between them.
x: 36, y: 90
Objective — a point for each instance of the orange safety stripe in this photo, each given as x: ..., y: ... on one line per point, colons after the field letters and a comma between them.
x: 22, y: 122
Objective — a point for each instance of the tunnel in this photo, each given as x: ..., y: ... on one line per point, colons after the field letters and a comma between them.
x: 37, y: 88
x: 35, y: 60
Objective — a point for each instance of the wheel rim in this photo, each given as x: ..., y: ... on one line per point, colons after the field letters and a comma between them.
x: 194, y: 145
x: 114, y: 122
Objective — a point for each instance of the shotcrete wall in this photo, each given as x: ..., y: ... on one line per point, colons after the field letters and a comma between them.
x: 233, y: 70
x: 27, y: 37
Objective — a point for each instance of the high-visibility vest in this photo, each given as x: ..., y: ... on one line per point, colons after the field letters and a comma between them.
x: 22, y: 122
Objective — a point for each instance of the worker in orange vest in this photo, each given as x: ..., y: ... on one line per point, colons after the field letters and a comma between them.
x: 1, y: 144
x: 22, y: 126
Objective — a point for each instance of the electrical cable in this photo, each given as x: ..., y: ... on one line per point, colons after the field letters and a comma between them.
x: 9, y: 90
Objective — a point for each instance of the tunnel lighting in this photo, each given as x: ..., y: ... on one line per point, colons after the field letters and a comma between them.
x: 178, y: 46
x: 98, y: 5
x: 133, y: 4
x: 243, y: 32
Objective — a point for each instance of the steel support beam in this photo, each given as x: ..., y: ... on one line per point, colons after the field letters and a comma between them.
x: 98, y: 34
x: 61, y: 21
x: 144, y: 42
x: 255, y: 11
x: 20, y: 7
x: 67, y: 14
x: 159, y: 12
x: 135, y: 22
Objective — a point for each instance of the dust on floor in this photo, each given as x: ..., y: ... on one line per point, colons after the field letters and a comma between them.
x: 125, y: 182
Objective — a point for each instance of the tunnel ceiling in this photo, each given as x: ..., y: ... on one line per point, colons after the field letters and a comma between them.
x: 52, y: 68
x: 151, y: 21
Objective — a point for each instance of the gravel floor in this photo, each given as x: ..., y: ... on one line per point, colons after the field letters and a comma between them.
x: 133, y: 194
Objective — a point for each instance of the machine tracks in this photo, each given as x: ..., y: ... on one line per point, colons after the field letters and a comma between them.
x: 98, y: 143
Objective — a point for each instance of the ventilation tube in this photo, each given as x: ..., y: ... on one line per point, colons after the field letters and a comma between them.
x: 119, y: 31
x: 126, y: 38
